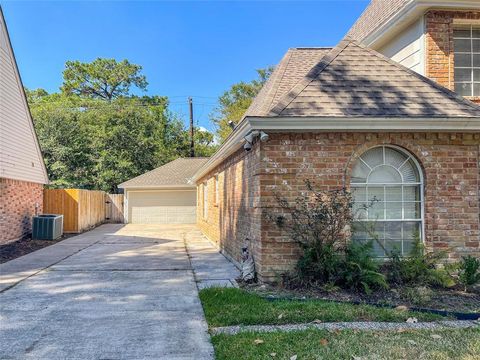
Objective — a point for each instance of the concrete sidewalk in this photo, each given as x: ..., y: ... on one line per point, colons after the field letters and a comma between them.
x: 116, y: 292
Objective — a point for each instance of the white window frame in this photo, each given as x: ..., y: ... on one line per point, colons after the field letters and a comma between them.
x: 205, y: 200
x: 419, y: 184
x: 217, y: 192
x: 472, y: 81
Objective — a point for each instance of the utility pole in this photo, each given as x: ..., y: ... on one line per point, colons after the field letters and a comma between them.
x: 192, y: 143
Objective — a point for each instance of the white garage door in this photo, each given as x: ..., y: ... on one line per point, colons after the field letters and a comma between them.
x: 162, y: 207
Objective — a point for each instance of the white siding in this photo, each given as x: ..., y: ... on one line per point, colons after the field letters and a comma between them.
x: 162, y: 207
x: 20, y: 156
x: 408, y: 47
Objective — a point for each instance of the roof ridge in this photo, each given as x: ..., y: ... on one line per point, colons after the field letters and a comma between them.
x: 307, y: 79
x: 175, y: 169
x: 312, y: 47
x: 437, y: 86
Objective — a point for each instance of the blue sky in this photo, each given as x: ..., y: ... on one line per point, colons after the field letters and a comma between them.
x: 186, y: 48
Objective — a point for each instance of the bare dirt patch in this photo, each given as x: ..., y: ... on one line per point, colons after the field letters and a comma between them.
x: 25, y: 246
x: 454, y: 299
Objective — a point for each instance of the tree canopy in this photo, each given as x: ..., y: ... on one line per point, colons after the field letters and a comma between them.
x: 235, y: 101
x: 96, y: 142
x: 104, y: 79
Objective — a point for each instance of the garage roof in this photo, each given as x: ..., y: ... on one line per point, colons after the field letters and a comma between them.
x: 177, y: 173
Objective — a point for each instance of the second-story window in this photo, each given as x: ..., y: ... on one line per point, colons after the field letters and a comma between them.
x: 466, y: 42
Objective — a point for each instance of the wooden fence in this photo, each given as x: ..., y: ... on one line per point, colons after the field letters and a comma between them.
x: 114, y: 208
x: 83, y: 209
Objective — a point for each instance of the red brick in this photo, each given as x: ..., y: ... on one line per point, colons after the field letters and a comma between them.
x: 452, y: 216
x: 17, y: 206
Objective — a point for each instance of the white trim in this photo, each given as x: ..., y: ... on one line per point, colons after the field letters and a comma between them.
x: 205, y: 201
x: 473, y: 22
x: 423, y: 47
x: 411, y: 12
x: 153, y: 187
x: 160, y: 190
x: 347, y: 124
x: 217, y: 191
x: 365, y: 124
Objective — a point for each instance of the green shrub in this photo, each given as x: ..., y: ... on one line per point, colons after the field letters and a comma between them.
x: 319, y: 266
x: 316, y: 221
x: 469, y: 271
x: 360, y: 270
x: 418, y: 268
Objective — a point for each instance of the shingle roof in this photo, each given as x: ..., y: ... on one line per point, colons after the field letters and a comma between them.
x: 296, y: 63
x: 375, y: 15
x: 175, y: 173
x: 354, y: 81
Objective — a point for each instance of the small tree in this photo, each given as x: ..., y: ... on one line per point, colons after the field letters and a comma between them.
x: 317, y: 221
x: 233, y: 103
x: 320, y: 222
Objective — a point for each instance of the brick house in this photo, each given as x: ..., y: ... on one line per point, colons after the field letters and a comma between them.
x: 347, y: 116
x: 22, y: 170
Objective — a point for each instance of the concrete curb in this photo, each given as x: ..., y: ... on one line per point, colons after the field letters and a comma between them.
x: 448, y: 324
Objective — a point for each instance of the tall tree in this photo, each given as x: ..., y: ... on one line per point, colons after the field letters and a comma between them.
x: 98, y: 144
x: 102, y: 78
x: 95, y: 134
x: 235, y: 101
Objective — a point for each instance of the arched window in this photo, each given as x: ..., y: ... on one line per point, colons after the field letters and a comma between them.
x: 387, y: 187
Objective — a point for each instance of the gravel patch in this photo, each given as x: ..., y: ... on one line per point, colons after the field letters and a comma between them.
x: 448, y: 324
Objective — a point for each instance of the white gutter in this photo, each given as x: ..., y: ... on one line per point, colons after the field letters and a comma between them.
x: 365, y: 124
x: 330, y: 124
x: 159, y: 187
x: 412, y: 11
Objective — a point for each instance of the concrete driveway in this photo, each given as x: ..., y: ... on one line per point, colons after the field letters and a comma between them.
x: 116, y: 292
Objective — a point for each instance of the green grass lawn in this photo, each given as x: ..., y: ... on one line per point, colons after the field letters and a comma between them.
x: 321, y: 344
x: 229, y: 306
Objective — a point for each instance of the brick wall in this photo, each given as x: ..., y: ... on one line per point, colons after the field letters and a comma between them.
x: 236, y: 216
x: 439, y: 45
x: 451, y: 173
x: 17, y: 206
x: 248, y: 181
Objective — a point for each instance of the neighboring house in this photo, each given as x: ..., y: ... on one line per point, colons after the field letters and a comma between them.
x: 438, y: 39
x: 347, y: 116
x: 165, y: 195
x: 22, y: 170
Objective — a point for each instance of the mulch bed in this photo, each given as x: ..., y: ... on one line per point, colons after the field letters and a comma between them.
x: 454, y: 300
x: 25, y: 246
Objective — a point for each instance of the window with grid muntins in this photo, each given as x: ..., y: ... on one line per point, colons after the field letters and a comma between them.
x: 466, y: 42
x: 387, y: 190
x: 217, y: 197
x: 205, y: 201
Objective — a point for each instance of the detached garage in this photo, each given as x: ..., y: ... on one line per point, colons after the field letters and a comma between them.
x: 165, y: 195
